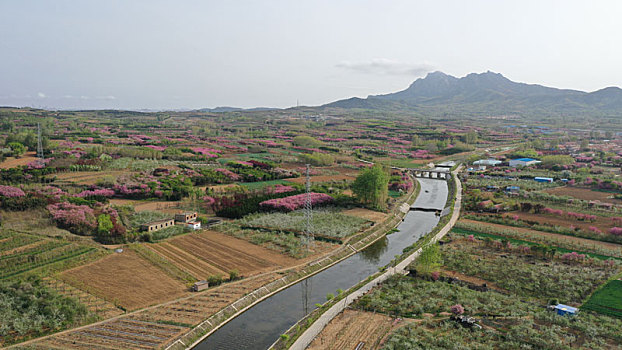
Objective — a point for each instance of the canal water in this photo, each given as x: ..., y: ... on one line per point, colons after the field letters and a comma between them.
x: 260, y: 326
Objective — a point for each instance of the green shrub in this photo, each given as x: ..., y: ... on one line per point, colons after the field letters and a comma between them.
x: 234, y: 275
x: 214, y: 280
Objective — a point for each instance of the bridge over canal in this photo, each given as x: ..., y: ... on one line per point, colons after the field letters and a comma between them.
x: 436, y: 173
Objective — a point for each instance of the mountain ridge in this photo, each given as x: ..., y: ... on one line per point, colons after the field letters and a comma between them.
x: 486, y: 93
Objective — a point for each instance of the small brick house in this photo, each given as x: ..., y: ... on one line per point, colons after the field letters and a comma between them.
x: 199, y: 286
x: 186, y: 217
x: 157, y: 225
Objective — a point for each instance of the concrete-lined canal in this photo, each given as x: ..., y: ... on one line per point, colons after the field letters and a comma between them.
x: 261, y: 325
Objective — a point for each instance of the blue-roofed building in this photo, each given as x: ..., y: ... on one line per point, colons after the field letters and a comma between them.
x: 521, y: 162
x: 563, y: 310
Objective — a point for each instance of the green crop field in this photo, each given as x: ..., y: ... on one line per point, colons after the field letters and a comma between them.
x: 21, y: 253
x: 607, y: 300
x: 262, y: 184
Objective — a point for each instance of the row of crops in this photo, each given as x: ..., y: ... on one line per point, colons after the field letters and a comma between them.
x: 20, y: 253
x: 607, y: 300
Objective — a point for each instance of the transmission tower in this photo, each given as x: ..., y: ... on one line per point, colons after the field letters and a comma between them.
x: 308, y: 234
x: 39, y: 143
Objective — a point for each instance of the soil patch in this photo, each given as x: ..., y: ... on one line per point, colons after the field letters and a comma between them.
x: 366, y: 214
x: 12, y: 162
x: 472, y: 279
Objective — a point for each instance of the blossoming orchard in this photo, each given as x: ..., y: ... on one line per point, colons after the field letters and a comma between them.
x: 98, y: 207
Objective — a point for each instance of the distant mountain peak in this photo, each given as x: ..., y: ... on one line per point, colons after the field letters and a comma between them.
x: 609, y: 89
x: 490, y: 93
x: 435, y: 74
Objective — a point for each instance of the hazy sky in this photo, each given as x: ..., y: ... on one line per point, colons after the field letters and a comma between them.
x: 192, y: 54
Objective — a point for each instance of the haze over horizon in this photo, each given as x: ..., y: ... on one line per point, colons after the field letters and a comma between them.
x: 191, y: 54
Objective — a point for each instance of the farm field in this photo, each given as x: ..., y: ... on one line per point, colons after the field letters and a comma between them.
x: 199, y: 306
x: 212, y: 253
x: 163, y: 206
x: 89, y: 177
x: 584, y: 193
x: 604, y: 224
x: 287, y: 244
x: 547, y: 237
x: 104, y: 309
x: 525, y: 274
x: 502, y: 288
x: 366, y: 214
x: 25, y: 254
x: 263, y: 184
x: 607, y: 300
x: 37, y: 222
x: 351, y: 328
x: 325, y: 223
x: 126, y: 280
x: 157, y: 326
x: 322, y: 178
x: 12, y: 162
x: 126, y: 333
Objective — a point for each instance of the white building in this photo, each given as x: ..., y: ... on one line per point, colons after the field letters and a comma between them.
x: 521, y: 162
x: 194, y: 225
x: 487, y: 162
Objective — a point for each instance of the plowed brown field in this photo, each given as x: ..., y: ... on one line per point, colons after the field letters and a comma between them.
x: 12, y: 162
x: 125, y: 279
x: 209, y: 253
x: 350, y: 328
x: 366, y: 214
